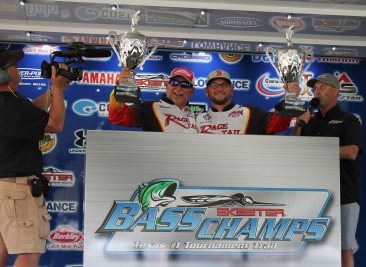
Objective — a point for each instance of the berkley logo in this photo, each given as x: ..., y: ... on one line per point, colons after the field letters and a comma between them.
x: 163, y: 216
x: 66, y: 234
x: 283, y: 23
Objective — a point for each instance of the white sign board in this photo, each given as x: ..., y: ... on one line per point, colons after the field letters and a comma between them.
x: 211, y: 200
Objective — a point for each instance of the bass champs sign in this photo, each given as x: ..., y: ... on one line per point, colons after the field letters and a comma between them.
x: 211, y: 200
x: 163, y: 216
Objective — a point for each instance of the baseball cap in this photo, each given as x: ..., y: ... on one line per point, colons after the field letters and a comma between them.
x: 218, y: 74
x: 325, y: 78
x: 185, y: 73
x: 7, y: 56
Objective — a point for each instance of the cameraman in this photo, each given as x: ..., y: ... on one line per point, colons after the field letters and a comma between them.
x: 24, y: 220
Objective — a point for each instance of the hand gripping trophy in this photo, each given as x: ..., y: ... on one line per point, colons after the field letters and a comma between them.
x: 132, y: 48
x: 289, y: 65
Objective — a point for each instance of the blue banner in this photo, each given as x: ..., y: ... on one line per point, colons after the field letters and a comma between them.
x: 87, y: 101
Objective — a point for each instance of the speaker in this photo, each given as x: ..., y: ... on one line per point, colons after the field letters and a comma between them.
x: 4, y: 76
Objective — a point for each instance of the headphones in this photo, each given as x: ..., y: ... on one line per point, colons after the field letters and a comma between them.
x: 4, y: 74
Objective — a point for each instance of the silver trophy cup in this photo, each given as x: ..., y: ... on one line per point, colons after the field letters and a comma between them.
x: 289, y: 65
x: 130, y: 48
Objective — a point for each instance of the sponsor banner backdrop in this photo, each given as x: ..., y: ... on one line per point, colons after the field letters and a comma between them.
x: 233, y: 207
x: 87, y: 103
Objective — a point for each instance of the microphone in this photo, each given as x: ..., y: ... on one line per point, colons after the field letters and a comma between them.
x: 83, y: 53
x: 314, y: 103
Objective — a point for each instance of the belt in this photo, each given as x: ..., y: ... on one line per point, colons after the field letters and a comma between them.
x: 19, y: 180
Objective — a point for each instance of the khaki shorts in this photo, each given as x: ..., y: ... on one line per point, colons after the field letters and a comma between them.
x: 24, y: 220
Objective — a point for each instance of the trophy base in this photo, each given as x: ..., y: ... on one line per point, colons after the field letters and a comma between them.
x: 127, y: 93
x: 290, y: 109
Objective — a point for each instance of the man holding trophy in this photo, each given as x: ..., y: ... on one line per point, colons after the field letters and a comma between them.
x: 225, y: 117
x: 170, y: 114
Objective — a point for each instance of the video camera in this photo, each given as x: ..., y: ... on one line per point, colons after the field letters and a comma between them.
x: 74, y: 54
x: 74, y: 74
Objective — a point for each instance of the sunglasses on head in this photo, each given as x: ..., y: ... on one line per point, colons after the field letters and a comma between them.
x: 184, y: 84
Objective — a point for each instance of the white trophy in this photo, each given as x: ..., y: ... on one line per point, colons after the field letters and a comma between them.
x: 289, y: 65
x: 131, y: 52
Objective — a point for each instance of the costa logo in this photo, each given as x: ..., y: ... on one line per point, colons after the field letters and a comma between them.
x: 66, y: 234
x: 231, y: 58
x: 48, y: 143
x: 87, y: 107
x: 92, y: 13
x: 283, y: 23
x: 87, y: 13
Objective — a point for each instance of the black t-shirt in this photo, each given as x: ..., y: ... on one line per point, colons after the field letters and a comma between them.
x: 22, y: 126
x: 338, y: 123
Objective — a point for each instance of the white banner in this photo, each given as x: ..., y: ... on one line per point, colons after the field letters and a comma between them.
x: 211, y: 200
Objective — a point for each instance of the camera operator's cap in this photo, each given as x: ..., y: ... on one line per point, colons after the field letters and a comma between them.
x: 7, y: 56
x: 325, y: 78
x: 185, y: 73
x: 216, y: 74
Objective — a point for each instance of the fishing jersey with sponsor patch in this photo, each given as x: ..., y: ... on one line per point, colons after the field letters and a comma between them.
x: 236, y: 119
x: 154, y: 116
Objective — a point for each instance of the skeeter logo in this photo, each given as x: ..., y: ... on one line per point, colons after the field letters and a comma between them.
x: 163, y: 216
x: 93, y: 13
x: 59, y: 178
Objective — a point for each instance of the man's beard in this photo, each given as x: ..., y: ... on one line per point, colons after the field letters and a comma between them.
x: 219, y: 102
